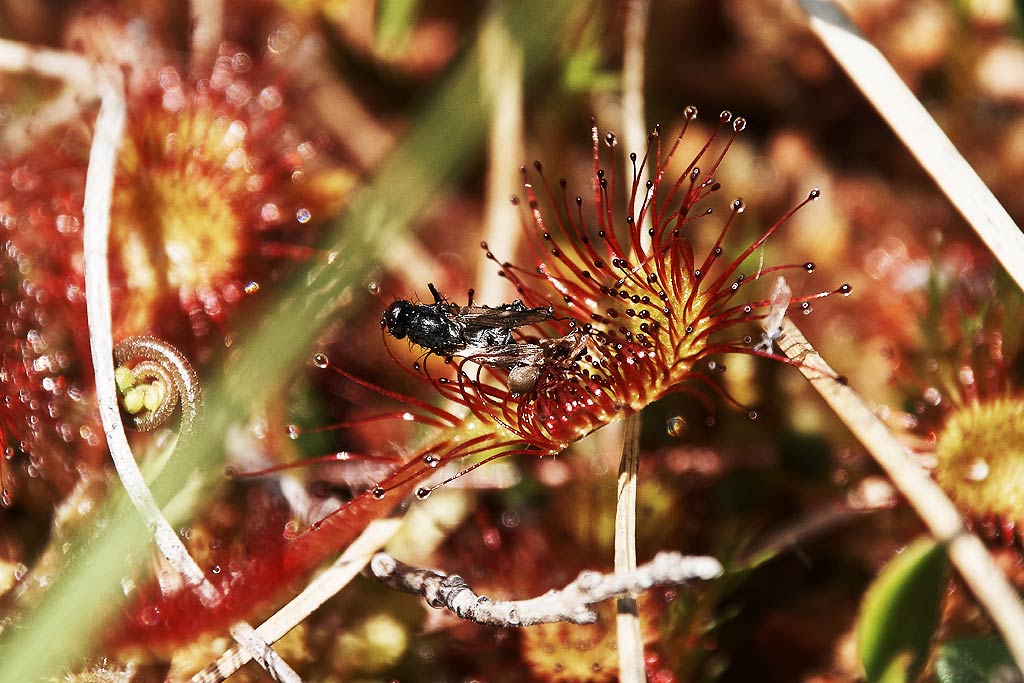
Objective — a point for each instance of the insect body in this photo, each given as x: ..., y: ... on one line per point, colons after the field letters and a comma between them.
x: 547, y: 353
x: 483, y: 334
x: 778, y: 304
x: 448, y: 329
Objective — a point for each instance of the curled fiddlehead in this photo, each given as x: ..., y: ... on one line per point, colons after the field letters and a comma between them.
x: 153, y: 376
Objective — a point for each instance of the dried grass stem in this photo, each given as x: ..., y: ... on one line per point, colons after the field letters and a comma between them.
x: 965, y: 550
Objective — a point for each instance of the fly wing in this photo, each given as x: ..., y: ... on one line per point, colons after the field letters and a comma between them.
x: 506, y: 355
x: 507, y: 316
x: 778, y: 304
x: 564, y: 350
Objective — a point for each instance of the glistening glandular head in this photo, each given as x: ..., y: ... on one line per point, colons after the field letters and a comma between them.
x: 397, y: 317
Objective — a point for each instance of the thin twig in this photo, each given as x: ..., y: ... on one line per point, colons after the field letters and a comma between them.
x: 966, y: 551
x: 67, y: 66
x: 571, y: 604
x: 320, y: 590
x: 627, y: 618
x: 912, y: 123
x: 99, y: 184
x: 96, y: 220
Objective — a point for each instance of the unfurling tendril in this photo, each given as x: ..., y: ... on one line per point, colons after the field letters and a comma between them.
x: 152, y: 386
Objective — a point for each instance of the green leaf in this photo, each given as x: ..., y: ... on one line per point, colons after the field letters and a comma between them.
x: 900, y: 613
x: 975, y: 660
x: 583, y: 73
x: 395, y: 19
x: 897, y: 670
x: 584, y: 65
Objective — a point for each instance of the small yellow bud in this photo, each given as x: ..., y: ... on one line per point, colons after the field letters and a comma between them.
x: 124, y: 378
x: 156, y: 393
x: 135, y: 400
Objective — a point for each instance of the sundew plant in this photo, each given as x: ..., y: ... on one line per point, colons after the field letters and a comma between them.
x: 305, y: 258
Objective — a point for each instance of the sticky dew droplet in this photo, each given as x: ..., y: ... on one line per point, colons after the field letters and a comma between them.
x: 978, y: 470
x: 150, y: 616
x: 320, y: 360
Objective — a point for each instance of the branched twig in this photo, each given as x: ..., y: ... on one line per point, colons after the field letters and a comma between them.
x: 912, y: 123
x: 966, y: 551
x: 570, y: 604
x: 99, y: 185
